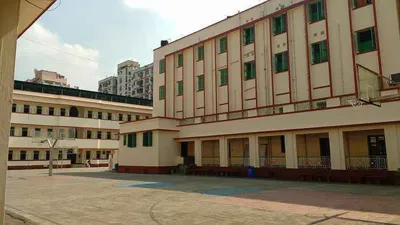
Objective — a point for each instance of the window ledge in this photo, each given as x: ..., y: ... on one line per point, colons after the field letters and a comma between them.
x: 316, y: 21
x: 248, y: 43
x: 364, y: 52
x: 247, y: 79
x: 222, y: 52
x: 320, y: 62
x: 359, y: 7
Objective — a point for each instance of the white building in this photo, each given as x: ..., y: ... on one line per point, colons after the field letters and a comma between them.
x: 125, y: 72
x: 109, y: 85
x: 49, y: 78
x: 142, y: 82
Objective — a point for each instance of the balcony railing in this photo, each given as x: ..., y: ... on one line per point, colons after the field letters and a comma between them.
x: 315, y: 162
x: 273, y: 162
x: 210, y: 161
x: 238, y: 161
x: 366, y: 162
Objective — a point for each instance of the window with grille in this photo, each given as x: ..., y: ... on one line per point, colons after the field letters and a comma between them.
x: 250, y: 70
x: 316, y: 11
x: 281, y: 62
x: 223, y: 77
x: 26, y: 108
x: 279, y: 24
x: 180, y: 60
x: 39, y: 110
x: 162, y: 66
x: 319, y: 52
x: 248, y: 35
x: 200, y: 53
x: 162, y: 92
x: 200, y: 83
x: 51, y: 111
x: 14, y: 108
x: 131, y: 140
x: 180, y: 87
x: 223, y: 44
x: 148, y: 139
x: 365, y: 40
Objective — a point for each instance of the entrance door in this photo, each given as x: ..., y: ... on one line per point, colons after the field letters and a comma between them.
x: 325, y: 152
x: 71, y: 156
x: 377, y: 151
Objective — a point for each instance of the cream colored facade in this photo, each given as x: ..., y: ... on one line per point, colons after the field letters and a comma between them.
x: 91, y: 125
x: 49, y: 78
x: 306, y: 109
x: 15, y: 17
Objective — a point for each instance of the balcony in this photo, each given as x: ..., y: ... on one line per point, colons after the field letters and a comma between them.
x: 63, y: 121
x: 28, y: 142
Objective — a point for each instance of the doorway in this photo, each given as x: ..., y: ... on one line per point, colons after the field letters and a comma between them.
x: 73, y: 112
x: 324, y: 147
x: 71, y: 156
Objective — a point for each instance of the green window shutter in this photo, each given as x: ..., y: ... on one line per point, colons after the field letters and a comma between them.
x: 162, y: 92
x: 276, y: 69
x: 373, y: 44
x: 134, y: 140
x: 324, y: 51
x: 180, y: 60
x: 223, y: 77
x: 284, y: 61
x: 180, y: 87
x: 283, y: 21
x: 162, y: 66
x: 145, y: 139
x: 125, y: 140
x: 129, y: 140
x: 200, y: 52
x: 222, y: 45
x: 200, y: 83
x: 321, y: 10
x: 150, y: 137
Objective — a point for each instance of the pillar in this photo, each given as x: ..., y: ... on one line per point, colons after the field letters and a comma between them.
x: 253, y: 151
x: 392, y: 139
x: 223, y: 152
x: 9, y: 15
x: 291, y: 151
x: 198, y: 148
x: 336, y: 145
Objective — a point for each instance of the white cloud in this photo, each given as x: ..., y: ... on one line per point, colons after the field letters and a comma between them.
x: 39, y: 49
x: 192, y: 15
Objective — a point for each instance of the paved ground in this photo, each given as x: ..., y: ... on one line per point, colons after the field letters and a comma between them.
x: 94, y: 196
x: 13, y: 221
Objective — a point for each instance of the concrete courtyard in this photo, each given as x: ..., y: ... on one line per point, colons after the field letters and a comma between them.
x: 95, y: 196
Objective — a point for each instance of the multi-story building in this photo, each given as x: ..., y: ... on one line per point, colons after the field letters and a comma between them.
x: 273, y: 87
x: 89, y: 121
x: 125, y: 71
x: 108, y: 85
x: 49, y: 78
x: 142, y: 82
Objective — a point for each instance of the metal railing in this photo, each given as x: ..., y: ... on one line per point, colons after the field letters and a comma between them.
x: 210, y: 161
x: 273, y: 162
x: 239, y: 161
x: 315, y: 162
x: 366, y: 162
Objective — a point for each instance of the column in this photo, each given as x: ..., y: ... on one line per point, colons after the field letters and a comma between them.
x: 198, y: 148
x: 336, y: 144
x: 223, y: 152
x: 9, y: 15
x: 291, y: 151
x: 253, y: 151
x: 392, y: 139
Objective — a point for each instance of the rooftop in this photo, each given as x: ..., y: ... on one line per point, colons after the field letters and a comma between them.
x: 41, y: 88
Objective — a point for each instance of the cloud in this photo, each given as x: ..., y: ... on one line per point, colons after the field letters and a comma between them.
x: 39, y: 49
x: 190, y: 15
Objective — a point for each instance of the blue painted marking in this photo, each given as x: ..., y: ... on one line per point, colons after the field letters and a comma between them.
x: 232, y: 191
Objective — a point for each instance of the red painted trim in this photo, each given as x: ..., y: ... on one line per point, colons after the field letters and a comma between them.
x: 353, y: 47
x: 204, y: 80
x: 327, y: 45
x: 33, y: 21
x: 227, y: 68
x: 146, y: 169
x: 153, y: 118
x: 183, y: 84
x: 308, y: 57
x: 271, y: 62
x: 241, y: 67
x: 226, y: 103
x: 361, y: 53
x: 288, y: 54
x: 173, y: 88
x: 193, y: 82
x: 165, y: 86
x: 216, y: 74
x: 202, y: 107
x: 378, y: 47
x: 285, y: 93
x: 150, y: 130
x: 250, y: 99
x: 255, y: 63
x: 326, y: 86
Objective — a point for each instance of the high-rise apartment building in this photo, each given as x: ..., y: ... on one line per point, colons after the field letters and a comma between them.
x: 273, y: 87
x: 125, y: 71
x: 109, y: 85
x: 142, y: 82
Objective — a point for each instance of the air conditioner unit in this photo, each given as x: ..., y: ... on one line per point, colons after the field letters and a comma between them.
x: 395, y: 79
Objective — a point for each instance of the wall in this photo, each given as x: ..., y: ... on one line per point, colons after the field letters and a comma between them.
x: 139, y: 156
x: 167, y: 149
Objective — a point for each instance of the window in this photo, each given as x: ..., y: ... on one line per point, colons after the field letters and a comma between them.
x: 223, y: 44
x: 200, y: 83
x: 39, y: 110
x: 180, y: 87
x: 365, y: 40
x: 37, y: 132
x: 60, y: 155
x: 283, y: 145
x: 98, y: 154
x: 109, y: 135
x: 24, y: 132
x: 321, y: 105
x: 36, y: 155
x: 89, y: 134
x: 22, y: 156
x: 250, y: 70
x: 121, y: 117
x: 279, y: 24
x: 89, y: 114
x: 137, y: 117
x: 162, y: 92
x: 316, y: 11
x: 12, y: 131
x: 131, y: 140
x: 62, y: 112
x: 109, y: 116
x: 248, y: 35
x: 281, y: 62
x: 100, y: 115
x: 87, y: 155
x: 129, y: 117
x: 51, y: 111
x: 26, y: 108
x: 180, y: 60
x: 10, y: 155
x: 319, y: 52
x: 98, y: 134
x: 14, y: 108
x: 200, y: 53
x: 49, y: 132
x: 47, y: 155
x: 125, y: 138
x: 223, y: 77
x: 148, y: 139
x: 162, y: 66
x: 361, y: 3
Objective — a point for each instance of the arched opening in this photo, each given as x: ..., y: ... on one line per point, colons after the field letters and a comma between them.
x: 73, y: 112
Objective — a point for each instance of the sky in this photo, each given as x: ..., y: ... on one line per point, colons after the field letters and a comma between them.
x: 85, y: 40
